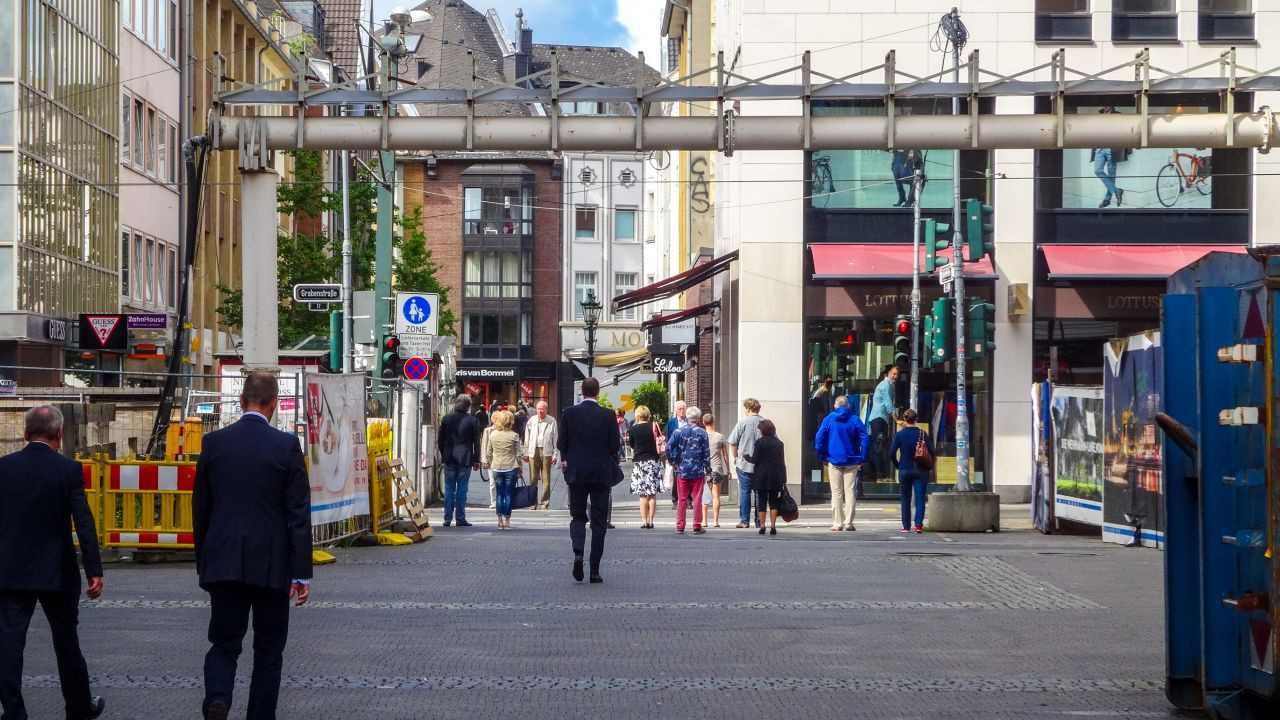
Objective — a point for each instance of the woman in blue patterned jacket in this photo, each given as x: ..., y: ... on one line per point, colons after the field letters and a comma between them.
x: 689, y: 450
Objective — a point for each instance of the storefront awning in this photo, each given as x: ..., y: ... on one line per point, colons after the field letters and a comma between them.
x: 868, y: 261
x: 675, y: 317
x: 1126, y: 261
x: 675, y: 284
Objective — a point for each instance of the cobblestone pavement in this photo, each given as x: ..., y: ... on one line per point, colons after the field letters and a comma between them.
x: 478, y: 623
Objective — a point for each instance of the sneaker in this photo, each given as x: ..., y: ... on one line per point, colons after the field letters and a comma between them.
x: 919, y: 529
x: 679, y: 531
x: 743, y: 525
x: 836, y: 528
x: 905, y: 529
x: 851, y: 529
x: 493, y: 506
x: 699, y: 531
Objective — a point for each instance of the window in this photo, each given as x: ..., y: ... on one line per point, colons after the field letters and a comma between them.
x: 125, y: 237
x: 173, y: 277
x: 509, y: 332
x: 149, y: 271
x: 139, y: 149
x: 583, y: 283
x: 625, y: 283
x: 153, y: 24
x: 149, y: 136
x: 493, y: 274
x: 1143, y: 21
x: 173, y: 30
x: 1226, y: 21
x: 673, y: 54
x: 137, y: 266
x: 584, y: 223
x: 497, y: 211
x: 124, y: 128
x: 175, y: 166
x: 162, y: 279
x: 161, y: 40
x: 1063, y: 20
x: 624, y: 224
x: 584, y: 107
x: 162, y: 151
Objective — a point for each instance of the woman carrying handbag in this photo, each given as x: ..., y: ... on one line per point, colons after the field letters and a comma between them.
x: 647, y: 446
x: 769, y: 480
x: 502, y: 455
x: 912, y: 453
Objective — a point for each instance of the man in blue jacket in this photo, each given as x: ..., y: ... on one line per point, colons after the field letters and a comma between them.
x: 841, y: 443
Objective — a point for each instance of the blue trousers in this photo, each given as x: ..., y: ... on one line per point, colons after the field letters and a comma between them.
x: 1104, y: 166
x: 456, y: 481
x: 919, y: 485
x: 744, y: 498
x: 504, y: 483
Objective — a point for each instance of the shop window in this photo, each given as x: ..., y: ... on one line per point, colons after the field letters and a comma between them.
x: 1226, y: 21
x: 1063, y: 21
x: 583, y: 283
x: 584, y: 223
x: 497, y: 211
x: 624, y: 225
x: 625, y: 282
x: 1144, y: 20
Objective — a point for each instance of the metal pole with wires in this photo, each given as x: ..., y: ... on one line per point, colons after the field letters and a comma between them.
x: 917, y: 185
x: 347, y: 252
x: 957, y: 35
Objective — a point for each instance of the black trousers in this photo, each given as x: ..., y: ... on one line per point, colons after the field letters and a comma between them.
x: 62, y: 611
x: 232, y: 603
x: 598, y: 497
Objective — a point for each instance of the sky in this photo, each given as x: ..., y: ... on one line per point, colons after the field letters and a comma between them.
x: 631, y: 24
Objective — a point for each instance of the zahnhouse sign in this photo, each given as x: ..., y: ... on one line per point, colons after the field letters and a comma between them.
x: 417, y: 322
x: 104, y: 332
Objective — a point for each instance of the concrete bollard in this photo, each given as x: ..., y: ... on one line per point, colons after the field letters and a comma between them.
x: 963, y: 512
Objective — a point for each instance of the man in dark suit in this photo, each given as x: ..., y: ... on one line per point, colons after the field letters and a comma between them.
x: 588, y: 446
x: 40, y: 492
x: 459, y: 443
x: 252, y: 513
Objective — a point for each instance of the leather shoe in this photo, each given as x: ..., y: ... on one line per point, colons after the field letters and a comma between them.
x: 217, y: 710
x: 577, y: 568
x: 463, y: 523
x: 595, y: 577
x: 96, y: 706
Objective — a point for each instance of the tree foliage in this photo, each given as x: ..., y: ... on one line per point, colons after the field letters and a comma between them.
x: 653, y: 395
x: 310, y: 255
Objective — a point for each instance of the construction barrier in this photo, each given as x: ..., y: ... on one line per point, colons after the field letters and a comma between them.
x: 145, y: 504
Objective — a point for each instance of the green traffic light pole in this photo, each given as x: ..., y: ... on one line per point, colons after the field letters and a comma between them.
x: 957, y: 36
x: 917, y: 184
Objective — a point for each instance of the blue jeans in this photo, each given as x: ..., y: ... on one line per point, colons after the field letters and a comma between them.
x: 504, y: 482
x: 744, y: 498
x: 920, y: 486
x: 1104, y: 166
x: 456, y: 480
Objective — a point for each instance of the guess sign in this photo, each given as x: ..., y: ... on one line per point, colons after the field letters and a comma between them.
x: 669, y: 364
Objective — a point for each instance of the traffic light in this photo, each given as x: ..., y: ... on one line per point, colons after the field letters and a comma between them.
x: 390, y: 356
x: 982, y: 329
x: 935, y: 236
x: 978, y: 229
x: 902, y: 342
x: 942, y: 337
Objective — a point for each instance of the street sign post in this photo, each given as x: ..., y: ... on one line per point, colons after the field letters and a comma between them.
x: 318, y: 293
x: 417, y: 322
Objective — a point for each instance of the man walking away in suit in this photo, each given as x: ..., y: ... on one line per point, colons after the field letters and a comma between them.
x: 588, y: 446
x: 42, y: 491
x: 252, y: 513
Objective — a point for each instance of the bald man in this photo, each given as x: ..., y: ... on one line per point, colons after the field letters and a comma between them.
x: 540, y: 443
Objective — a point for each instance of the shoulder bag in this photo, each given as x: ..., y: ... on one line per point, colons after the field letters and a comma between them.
x: 924, y: 460
x: 658, y: 441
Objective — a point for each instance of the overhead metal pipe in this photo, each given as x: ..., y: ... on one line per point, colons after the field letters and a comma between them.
x: 614, y: 134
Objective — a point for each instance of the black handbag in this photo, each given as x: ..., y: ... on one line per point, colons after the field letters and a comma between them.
x: 787, y: 508
x: 524, y: 496
x: 618, y: 476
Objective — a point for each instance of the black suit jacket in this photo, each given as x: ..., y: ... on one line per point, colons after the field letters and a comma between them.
x: 459, y: 439
x: 252, y: 507
x: 40, y: 493
x: 589, y: 443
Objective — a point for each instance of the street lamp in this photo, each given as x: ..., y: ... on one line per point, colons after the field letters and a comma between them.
x: 591, y: 318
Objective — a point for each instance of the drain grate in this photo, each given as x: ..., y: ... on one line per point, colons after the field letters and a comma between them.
x: 924, y: 554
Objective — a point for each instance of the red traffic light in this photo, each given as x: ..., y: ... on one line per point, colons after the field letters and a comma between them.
x: 391, y: 343
x: 904, y: 327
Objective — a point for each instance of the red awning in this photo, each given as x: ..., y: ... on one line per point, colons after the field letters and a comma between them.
x: 675, y: 317
x: 1127, y: 261
x: 879, y: 260
x: 675, y: 284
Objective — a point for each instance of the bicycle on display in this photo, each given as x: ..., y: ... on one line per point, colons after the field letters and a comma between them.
x: 821, y: 185
x: 1183, y: 172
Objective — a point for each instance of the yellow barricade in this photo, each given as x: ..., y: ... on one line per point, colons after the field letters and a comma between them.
x: 184, y: 438
x: 382, y: 507
x: 92, y: 472
x: 146, y: 504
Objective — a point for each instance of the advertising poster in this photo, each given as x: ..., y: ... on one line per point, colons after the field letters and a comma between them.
x: 232, y: 384
x: 337, y: 447
x: 1133, y: 492
x: 1076, y: 415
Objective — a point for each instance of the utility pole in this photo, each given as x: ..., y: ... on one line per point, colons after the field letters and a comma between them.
x: 958, y: 35
x: 917, y: 185
x: 382, y: 299
x: 346, y: 334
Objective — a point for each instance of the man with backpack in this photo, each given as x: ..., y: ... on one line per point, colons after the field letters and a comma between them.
x: 841, y: 443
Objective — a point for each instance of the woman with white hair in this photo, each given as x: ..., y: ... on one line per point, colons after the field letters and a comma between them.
x: 690, y: 451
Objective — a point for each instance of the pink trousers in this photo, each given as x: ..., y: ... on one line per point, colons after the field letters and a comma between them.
x: 690, y: 492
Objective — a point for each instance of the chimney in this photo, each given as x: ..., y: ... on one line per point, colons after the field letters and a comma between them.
x: 521, y: 63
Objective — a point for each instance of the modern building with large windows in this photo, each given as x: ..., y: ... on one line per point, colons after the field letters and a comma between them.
x: 1084, y: 239
x: 59, y: 169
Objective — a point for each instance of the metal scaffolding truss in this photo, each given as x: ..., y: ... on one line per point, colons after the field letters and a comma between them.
x: 377, y: 126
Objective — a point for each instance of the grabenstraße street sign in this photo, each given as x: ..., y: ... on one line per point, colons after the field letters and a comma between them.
x: 417, y: 321
x: 318, y: 293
